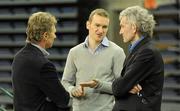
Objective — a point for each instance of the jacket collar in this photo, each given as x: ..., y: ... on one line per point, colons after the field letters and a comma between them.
x: 141, y: 43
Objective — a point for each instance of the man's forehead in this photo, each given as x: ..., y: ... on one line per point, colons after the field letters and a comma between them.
x: 123, y: 20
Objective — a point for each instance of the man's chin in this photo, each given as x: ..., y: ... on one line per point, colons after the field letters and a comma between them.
x: 98, y: 40
x: 125, y: 41
x: 47, y: 47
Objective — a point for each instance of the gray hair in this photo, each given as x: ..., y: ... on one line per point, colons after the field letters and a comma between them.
x: 141, y: 18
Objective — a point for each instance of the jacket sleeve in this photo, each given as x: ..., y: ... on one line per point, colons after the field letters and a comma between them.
x: 134, y: 73
x: 51, y: 86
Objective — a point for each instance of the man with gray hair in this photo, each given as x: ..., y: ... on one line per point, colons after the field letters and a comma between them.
x: 143, y: 67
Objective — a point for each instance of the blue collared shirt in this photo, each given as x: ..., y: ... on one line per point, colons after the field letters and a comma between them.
x: 135, y: 43
x: 100, y: 47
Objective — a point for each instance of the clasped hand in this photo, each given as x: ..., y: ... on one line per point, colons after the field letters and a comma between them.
x: 136, y: 89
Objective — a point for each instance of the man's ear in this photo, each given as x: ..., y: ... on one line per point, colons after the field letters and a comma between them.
x: 45, y: 35
x: 87, y: 24
x: 134, y: 28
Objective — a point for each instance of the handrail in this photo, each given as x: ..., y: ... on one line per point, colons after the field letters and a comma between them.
x: 6, y: 92
x: 2, y: 109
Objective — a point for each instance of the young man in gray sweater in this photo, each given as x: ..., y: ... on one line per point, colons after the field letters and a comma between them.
x: 92, y: 66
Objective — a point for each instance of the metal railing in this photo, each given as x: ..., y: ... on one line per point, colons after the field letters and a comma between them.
x: 6, y: 92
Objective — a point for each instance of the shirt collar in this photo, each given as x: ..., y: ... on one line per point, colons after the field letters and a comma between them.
x: 105, y: 42
x: 45, y: 53
x: 134, y: 44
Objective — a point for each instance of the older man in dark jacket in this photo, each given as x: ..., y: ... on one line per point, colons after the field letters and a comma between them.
x: 143, y: 67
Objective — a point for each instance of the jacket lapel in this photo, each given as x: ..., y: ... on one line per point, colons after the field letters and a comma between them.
x: 131, y: 56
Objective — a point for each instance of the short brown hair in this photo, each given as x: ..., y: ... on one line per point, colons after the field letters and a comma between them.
x: 39, y: 23
x: 100, y: 12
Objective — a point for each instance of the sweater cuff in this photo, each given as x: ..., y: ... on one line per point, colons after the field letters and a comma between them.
x: 98, y: 83
x: 70, y: 89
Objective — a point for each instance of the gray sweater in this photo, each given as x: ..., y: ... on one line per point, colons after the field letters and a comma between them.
x: 105, y: 66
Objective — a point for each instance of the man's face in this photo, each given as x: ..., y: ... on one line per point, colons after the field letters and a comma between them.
x: 127, y: 31
x: 51, y: 37
x: 98, y: 27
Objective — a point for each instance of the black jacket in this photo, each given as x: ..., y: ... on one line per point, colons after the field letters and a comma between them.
x: 143, y: 66
x: 35, y: 82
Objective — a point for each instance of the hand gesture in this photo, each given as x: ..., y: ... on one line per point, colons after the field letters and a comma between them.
x: 91, y: 84
x: 78, y: 91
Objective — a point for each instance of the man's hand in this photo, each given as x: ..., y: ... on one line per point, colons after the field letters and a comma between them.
x: 78, y: 91
x: 136, y: 89
x: 90, y: 84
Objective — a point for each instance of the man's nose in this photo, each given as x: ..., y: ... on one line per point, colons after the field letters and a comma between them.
x: 100, y: 29
x: 120, y: 32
